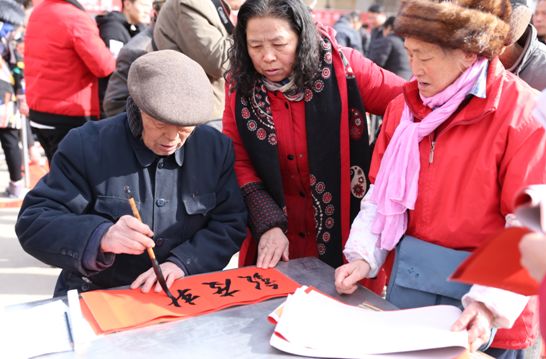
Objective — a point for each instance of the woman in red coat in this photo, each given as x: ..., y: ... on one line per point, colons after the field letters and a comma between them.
x: 533, y: 246
x: 295, y: 110
x: 533, y: 258
x: 454, y: 150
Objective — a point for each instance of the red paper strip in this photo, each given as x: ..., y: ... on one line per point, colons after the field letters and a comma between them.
x: 497, y: 264
x: 115, y: 310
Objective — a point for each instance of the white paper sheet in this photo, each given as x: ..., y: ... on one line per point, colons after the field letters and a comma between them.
x: 313, y: 321
x: 46, y: 324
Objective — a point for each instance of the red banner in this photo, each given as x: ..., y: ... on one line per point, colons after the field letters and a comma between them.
x: 116, y: 310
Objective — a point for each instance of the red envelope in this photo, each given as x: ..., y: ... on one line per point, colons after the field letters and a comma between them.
x: 497, y: 264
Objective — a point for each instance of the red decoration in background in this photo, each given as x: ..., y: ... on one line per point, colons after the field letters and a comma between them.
x: 95, y: 7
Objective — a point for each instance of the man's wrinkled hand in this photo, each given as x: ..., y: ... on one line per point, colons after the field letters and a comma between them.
x: 146, y: 280
x: 127, y: 236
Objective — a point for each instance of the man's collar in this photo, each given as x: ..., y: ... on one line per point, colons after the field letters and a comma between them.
x: 145, y: 156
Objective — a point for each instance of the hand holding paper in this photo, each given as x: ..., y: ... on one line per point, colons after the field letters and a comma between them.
x: 533, y: 254
x: 531, y: 207
x: 498, y: 263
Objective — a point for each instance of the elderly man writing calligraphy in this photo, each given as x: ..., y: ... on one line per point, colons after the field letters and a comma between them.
x: 181, y: 174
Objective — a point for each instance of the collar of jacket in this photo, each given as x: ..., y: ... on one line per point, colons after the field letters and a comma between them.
x: 143, y: 154
x: 530, y: 44
x: 76, y: 4
x: 473, y: 109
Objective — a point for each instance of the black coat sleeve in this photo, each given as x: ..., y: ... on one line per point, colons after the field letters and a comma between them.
x: 52, y: 224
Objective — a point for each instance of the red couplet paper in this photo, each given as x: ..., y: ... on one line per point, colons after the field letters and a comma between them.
x: 115, y: 310
x: 497, y: 264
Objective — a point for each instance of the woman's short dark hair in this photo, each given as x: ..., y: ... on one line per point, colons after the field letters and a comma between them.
x: 242, y: 75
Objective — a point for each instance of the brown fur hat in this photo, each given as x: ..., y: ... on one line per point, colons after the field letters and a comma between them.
x: 476, y: 26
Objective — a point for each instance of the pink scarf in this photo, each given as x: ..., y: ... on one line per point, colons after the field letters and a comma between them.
x: 396, y: 185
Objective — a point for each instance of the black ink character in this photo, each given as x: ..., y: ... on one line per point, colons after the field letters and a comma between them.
x: 257, y: 278
x: 186, y: 296
x: 223, y: 290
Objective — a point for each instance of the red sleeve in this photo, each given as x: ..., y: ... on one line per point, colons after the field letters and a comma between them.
x: 378, y: 87
x: 90, y: 47
x: 542, y: 307
x: 243, y: 167
x: 524, y: 160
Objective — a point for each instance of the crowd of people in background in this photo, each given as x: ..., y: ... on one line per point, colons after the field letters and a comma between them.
x: 384, y: 133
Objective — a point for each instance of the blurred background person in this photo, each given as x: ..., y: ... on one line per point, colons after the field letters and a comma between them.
x: 376, y: 19
x: 347, y: 31
x: 64, y: 57
x: 524, y: 55
x: 34, y: 148
x: 116, y: 94
x: 12, y: 16
x: 200, y: 29
x: 539, y: 20
x: 365, y: 36
x: 117, y: 28
x: 295, y: 113
x: 389, y: 52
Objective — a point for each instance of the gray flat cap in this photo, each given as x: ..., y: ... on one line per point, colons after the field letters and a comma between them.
x: 171, y: 87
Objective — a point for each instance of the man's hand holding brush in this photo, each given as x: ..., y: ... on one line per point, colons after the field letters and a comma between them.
x: 130, y: 236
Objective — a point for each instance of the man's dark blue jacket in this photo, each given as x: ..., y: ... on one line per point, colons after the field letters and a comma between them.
x: 190, y: 200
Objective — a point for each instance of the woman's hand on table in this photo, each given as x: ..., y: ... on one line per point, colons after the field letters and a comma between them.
x: 273, y: 247
x: 348, y: 275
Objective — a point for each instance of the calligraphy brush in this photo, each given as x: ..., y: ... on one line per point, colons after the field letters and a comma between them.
x: 151, y: 254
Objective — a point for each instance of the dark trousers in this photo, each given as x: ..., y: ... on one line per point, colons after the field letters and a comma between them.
x: 59, y: 127
x: 505, y: 353
x: 50, y: 139
x: 14, y: 157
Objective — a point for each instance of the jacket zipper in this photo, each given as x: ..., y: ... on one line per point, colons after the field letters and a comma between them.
x: 431, y: 154
x: 435, y: 136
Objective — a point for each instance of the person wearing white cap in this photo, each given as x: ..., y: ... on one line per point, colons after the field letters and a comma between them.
x: 181, y: 176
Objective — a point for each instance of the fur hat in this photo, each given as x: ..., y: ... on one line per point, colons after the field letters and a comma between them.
x: 519, y: 20
x: 12, y: 12
x: 171, y: 87
x: 476, y: 26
